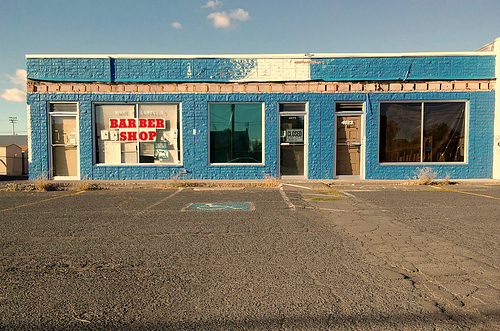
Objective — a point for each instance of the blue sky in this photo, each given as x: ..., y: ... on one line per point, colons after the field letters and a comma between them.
x: 229, y: 27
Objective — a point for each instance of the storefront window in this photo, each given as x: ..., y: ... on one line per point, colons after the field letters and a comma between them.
x: 137, y: 133
x: 236, y: 133
x: 422, y: 132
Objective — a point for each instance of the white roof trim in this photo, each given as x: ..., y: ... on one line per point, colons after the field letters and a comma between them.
x: 253, y: 56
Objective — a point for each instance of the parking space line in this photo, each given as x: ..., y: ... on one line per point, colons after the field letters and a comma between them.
x: 464, y: 192
x: 299, y: 186
x: 287, y: 200
x: 348, y: 194
x: 159, y: 202
x: 34, y: 203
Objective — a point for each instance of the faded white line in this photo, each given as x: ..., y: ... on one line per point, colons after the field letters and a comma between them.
x: 304, y: 187
x: 329, y: 209
x: 348, y: 194
x: 287, y: 200
x: 159, y: 202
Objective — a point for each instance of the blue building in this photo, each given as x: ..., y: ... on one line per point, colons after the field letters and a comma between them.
x: 310, y: 116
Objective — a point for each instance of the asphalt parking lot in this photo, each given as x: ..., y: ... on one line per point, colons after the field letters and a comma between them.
x: 302, y: 256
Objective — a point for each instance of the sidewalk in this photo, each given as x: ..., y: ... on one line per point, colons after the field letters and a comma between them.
x: 6, y: 181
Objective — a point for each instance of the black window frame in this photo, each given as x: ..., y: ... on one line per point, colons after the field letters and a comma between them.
x: 246, y: 160
x: 425, y: 154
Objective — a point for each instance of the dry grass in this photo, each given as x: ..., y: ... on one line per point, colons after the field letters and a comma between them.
x: 325, y: 199
x: 43, y: 184
x: 329, y: 191
x: 269, y: 181
x: 86, y: 185
x: 177, y: 182
x: 426, y: 176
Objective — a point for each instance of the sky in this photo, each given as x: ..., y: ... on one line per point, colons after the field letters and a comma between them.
x: 229, y: 27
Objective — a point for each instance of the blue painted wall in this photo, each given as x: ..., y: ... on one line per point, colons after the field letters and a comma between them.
x: 399, y: 68
x: 225, y: 70
x: 321, y: 135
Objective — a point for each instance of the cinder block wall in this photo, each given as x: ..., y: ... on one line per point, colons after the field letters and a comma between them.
x: 321, y: 144
x: 319, y: 81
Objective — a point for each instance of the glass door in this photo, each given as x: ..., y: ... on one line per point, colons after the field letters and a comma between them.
x: 348, y: 145
x: 292, y: 144
x: 64, y: 146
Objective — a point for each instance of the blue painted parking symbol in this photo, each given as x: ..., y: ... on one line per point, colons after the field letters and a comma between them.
x: 220, y: 206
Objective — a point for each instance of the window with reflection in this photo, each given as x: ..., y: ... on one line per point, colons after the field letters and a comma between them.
x: 137, y: 133
x: 236, y: 132
x: 422, y: 132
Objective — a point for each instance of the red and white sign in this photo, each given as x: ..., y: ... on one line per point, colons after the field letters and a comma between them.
x: 133, y: 123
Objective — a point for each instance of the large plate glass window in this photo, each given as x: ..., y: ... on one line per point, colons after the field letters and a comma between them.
x: 236, y: 132
x: 422, y: 132
x: 137, y: 133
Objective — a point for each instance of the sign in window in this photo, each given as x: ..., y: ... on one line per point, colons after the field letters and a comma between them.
x: 139, y: 133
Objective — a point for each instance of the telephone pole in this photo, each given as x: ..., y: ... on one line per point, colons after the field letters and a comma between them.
x: 13, y: 119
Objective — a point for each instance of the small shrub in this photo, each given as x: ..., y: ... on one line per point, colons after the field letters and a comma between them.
x: 86, y: 185
x: 44, y: 185
x: 426, y: 176
x: 270, y: 181
x: 177, y: 181
x: 446, y: 179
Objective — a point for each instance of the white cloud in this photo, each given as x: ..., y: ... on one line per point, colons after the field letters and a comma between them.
x: 212, y: 4
x: 239, y: 14
x: 19, y: 79
x: 220, y: 19
x: 176, y: 25
x: 14, y: 95
x: 224, y: 20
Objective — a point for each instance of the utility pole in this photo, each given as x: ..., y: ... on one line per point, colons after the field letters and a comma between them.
x: 13, y: 119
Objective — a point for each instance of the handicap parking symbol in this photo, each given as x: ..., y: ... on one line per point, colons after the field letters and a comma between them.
x: 220, y: 206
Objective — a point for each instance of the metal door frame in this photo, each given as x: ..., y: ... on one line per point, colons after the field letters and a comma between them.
x: 50, y: 145
x: 362, y: 149
x: 306, y: 139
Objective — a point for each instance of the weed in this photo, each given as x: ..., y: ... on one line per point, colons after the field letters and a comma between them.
x: 325, y: 199
x: 446, y: 179
x: 269, y: 181
x: 86, y: 185
x: 43, y: 183
x: 426, y: 176
x: 329, y: 191
x: 177, y: 181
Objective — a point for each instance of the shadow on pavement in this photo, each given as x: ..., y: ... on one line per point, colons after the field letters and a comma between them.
x: 332, y: 321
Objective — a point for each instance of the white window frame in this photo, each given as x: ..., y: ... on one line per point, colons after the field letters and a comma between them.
x: 78, y: 145
x: 136, y: 109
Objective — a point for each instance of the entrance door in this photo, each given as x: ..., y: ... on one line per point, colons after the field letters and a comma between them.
x: 348, y: 145
x: 292, y: 144
x: 64, y: 146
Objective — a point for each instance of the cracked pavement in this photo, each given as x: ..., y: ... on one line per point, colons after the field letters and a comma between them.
x: 369, y: 258
x: 444, y: 240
